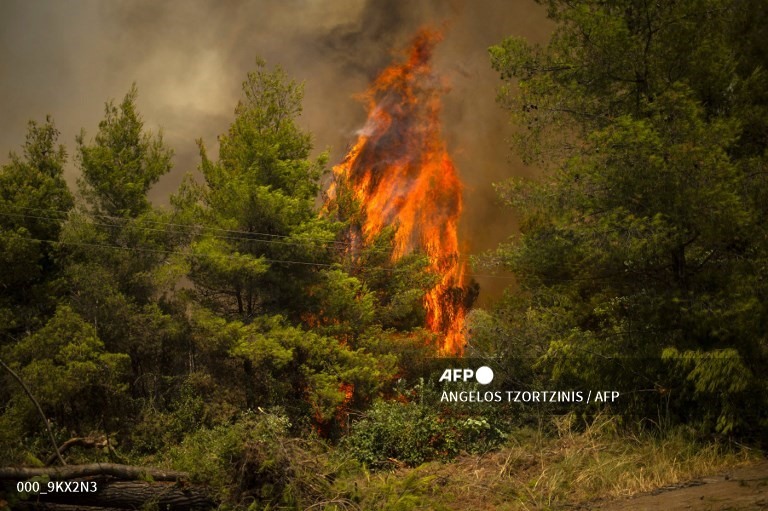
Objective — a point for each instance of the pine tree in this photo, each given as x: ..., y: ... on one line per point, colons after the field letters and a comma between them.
x: 642, y: 248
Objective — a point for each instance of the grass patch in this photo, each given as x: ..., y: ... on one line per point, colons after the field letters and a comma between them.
x: 545, y: 469
x: 253, y: 464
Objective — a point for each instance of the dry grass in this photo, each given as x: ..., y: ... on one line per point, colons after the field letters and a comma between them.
x: 540, y: 471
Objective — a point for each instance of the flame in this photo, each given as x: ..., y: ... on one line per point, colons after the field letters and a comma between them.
x: 401, y: 173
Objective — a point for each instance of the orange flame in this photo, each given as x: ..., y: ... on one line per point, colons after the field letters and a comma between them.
x: 402, y: 175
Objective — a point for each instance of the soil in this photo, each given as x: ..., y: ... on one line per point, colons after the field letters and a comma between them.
x: 742, y: 489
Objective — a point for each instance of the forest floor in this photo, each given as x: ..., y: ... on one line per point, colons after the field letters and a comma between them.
x: 740, y: 489
x: 592, y: 470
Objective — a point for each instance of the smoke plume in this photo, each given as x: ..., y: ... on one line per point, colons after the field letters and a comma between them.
x: 189, y: 58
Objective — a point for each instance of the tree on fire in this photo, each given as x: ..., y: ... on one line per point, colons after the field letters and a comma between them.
x: 149, y: 324
x: 643, y: 248
x: 269, y: 293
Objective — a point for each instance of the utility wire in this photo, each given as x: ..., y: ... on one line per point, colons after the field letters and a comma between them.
x: 161, y: 251
x: 247, y: 238
x: 234, y: 238
x: 248, y: 235
x: 157, y: 222
x: 228, y: 256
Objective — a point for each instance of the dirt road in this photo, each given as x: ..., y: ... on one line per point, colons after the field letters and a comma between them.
x: 743, y: 489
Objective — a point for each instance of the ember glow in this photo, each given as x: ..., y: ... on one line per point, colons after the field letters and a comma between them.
x: 402, y: 175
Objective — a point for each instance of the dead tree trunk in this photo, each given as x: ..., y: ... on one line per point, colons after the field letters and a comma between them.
x: 135, y: 495
x: 110, y: 486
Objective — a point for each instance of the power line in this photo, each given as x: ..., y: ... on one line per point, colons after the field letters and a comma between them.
x: 228, y: 256
x: 161, y: 251
x: 251, y: 239
x: 248, y: 235
x: 157, y: 222
x: 236, y: 238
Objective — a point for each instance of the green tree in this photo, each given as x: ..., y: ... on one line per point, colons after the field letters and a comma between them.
x: 274, y: 316
x: 608, y: 59
x: 395, y: 290
x: 644, y: 238
x: 34, y: 199
x: 122, y: 162
x: 263, y: 242
x: 76, y: 381
x: 116, y: 247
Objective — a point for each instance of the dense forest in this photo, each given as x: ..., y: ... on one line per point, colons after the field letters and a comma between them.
x: 243, y: 336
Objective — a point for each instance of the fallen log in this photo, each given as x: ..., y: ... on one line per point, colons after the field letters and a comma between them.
x: 110, y: 486
x: 135, y: 495
x: 52, y: 506
x: 126, y: 472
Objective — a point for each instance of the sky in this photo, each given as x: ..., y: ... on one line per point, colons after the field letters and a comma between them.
x: 189, y: 59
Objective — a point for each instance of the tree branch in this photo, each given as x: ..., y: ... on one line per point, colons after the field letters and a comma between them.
x: 89, y: 442
x: 39, y: 410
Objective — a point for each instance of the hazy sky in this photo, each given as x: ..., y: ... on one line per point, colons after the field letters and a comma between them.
x: 188, y: 58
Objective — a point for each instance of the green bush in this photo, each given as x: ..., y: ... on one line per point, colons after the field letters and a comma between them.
x: 253, y: 463
x: 410, y: 433
x: 393, y: 431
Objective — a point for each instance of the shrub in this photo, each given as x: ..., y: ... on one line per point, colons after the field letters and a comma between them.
x: 411, y: 434
x: 254, y: 462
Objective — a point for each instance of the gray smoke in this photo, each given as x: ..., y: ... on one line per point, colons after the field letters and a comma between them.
x: 189, y: 58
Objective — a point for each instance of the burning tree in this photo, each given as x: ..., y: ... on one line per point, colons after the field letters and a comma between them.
x: 401, y: 174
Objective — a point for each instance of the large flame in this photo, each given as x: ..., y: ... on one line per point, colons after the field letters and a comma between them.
x: 402, y: 175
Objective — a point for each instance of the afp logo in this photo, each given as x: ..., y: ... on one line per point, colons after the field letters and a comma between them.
x: 483, y: 375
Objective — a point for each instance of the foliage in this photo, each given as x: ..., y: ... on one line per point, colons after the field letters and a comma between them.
x: 276, y: 315
x: 222, y: 335
x: 162, y: 425
x: 123, y: 162
x: 262, y: 192
x: 641, y: 246
x: 31, y: 186
x: 253, y: 462
x: 606, y: 60
x: 75, y: 380
x: 398, y: 287
x: 396, y: 433
x: 113, y: 244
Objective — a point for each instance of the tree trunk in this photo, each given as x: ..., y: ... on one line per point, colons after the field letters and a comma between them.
x: 128, y: 495
x: 98, y: 490
x: 51, y: 506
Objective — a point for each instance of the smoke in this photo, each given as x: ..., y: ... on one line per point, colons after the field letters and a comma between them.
x: 189, y: 58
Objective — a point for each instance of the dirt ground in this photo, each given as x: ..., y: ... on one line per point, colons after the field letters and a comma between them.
x: 742, y: 489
